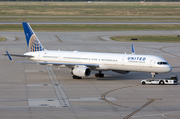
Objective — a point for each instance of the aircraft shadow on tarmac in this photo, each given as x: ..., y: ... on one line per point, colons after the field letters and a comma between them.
x: 130, y: 76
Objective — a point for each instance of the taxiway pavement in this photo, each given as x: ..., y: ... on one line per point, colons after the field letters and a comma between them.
x: 30, y: 91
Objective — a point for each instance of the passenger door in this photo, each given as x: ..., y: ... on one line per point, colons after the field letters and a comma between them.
x: 151, y: 63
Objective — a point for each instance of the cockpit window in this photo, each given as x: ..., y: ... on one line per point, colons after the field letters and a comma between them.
x: 162, y: 63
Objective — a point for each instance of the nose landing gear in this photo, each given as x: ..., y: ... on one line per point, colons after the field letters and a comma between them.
x: 153, y: 75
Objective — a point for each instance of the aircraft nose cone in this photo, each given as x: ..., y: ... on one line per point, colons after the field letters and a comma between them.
x: 170, y: 68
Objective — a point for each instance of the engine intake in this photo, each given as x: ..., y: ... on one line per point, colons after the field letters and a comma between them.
x: 81, y: 71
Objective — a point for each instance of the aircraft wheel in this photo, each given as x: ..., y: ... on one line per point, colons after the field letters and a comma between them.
x: 79, y: 77
x: 76, y: 77
x: 101, y: 75
x: 96, y: 75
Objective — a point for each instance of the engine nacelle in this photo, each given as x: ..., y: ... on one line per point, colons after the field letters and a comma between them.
x: 81, y: 71
x: 121, y: 72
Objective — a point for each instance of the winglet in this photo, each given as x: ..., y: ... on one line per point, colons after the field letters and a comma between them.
x: 9, y: 56
x: 133, y: 50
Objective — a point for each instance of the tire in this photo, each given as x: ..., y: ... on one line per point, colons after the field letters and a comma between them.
x: 79, y: 78
x: 74, y: 77
x: 102, y: 75
x: 96, y: 75
x: 143, y: 83
x: 99, y: 75
x: 161, y: 82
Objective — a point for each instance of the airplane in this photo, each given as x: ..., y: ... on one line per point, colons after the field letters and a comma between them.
x: 82, y: 63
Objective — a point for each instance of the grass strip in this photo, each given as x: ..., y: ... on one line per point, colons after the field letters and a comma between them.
x: 2, y: 39
x: 86, y: 9
x: 84, y: 19
x: 66, y: 27
x: 147, y: 38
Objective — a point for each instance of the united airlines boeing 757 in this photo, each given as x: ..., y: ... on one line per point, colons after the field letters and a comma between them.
x: 82, y: 63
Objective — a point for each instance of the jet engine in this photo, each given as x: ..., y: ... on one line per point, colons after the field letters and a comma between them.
x: 121, y: 72
x: 81, y: 71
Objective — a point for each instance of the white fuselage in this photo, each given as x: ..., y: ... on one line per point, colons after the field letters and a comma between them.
x: 106, y: 61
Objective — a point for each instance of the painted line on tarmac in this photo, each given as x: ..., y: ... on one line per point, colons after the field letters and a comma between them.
x: 104, y: 97
x: 149, y: 102
x: 58, y: 38
x: 134, y: 112
x: 161, y: 49
x: 63, y: 100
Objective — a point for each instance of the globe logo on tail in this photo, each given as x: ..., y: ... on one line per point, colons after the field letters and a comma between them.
x: 34, y: 44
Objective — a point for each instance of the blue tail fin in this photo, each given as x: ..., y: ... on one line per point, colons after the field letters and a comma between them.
x: 33, y: 42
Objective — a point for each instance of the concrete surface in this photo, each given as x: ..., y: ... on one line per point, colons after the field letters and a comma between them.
x: 29, y: 91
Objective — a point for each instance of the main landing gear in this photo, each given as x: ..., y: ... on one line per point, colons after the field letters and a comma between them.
x: 100, y: 74
x: 76, y: 77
